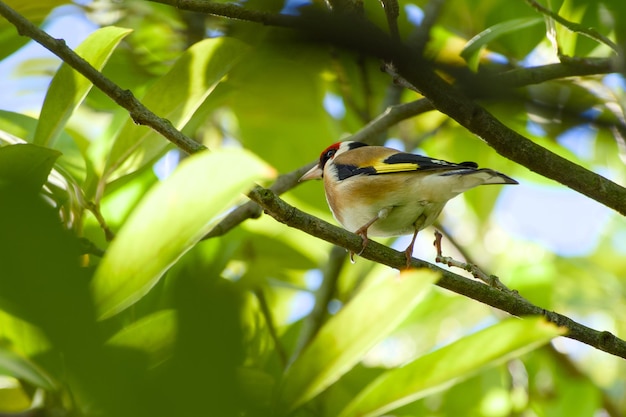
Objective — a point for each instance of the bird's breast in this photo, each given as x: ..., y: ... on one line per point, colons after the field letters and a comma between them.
x: 357, y: 200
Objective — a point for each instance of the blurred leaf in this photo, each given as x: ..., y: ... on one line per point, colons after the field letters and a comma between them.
x: 21, y: 336
x: 346, y: 337
x: 154, y: 334
x: 26, y: 164
x: 23, y: 127
x: 209, y: 346
x: 69, y: 88
x: 297, y: 124
x: 443, y: 367
x: 172, y: 217
x: 22, y: 368
x: 471, y: 52
x: 13, y: 397
x: 175, y: 96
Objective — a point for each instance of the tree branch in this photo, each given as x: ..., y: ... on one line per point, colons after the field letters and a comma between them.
x: 376, y: 252
x: 511, y: 144
x: 139, y: 113
x: 232, y: 11
x: 364, y: 37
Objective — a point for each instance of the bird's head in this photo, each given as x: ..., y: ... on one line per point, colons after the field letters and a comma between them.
x: 330, y: 153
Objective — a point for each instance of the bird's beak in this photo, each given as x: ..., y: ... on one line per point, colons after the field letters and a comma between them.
x: 314, y: 173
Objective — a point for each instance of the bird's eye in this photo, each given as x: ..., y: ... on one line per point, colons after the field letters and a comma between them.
x: 326, y: 156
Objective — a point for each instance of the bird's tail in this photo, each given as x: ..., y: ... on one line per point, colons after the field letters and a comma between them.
x: 494, y: 177
x: 473, y: 177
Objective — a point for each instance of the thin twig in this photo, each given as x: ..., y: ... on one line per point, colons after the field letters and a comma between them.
x: 271, y: 327
x: 95, y: 210
x: 472, y: 268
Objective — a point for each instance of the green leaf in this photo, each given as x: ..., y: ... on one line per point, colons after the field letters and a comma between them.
x: 20, y: 367
x: 304, y: 127
x: 154, y: 334
x: 450, y: 364
x: 171, y: 218
x: 567, y: 39
x: 175, y: 96
x: 471, y: 52
x: 26, y: 164
x: 69, y: 88
x: 23, y: 128
x: 21, y: 336
x: 345, y: 338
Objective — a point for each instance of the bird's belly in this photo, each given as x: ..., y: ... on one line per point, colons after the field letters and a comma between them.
x: 400, y: 220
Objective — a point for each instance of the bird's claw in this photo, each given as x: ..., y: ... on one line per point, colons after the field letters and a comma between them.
x: 363, y: 234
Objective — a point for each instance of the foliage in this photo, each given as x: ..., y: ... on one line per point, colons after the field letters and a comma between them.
x: 113, y: 302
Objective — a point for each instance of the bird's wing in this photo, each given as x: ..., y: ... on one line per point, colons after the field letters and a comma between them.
x: 377, y: 160
x: 405, y: 162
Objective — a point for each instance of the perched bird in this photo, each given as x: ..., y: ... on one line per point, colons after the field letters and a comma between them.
x: 379, y: 191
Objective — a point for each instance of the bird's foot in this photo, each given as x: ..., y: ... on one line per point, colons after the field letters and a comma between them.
x: 408, y: 252
x: 437, y: 244
x: 363, y: 233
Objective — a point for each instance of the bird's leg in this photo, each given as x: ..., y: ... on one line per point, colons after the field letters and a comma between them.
x: 437, y: 244
x: 409, y: 250
x: 362, y: 231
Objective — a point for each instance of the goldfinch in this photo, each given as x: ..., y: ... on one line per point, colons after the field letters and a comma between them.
x: 379, y: 191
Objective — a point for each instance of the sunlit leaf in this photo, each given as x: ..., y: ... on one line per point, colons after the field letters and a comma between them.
x: 69, y: 88
x: 472, y: 49
x: 567, y: 39
x: 175, y: 96
x: 450, y: 364
x: 23, y: 128
x: 21, y: 367
x: 345, y: 338
x: 22, y: 336
x: 154, y: 334
x: 26, y: 164
x: 172, y: 217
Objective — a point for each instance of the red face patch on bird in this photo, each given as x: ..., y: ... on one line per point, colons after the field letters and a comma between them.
x: 328, y: 153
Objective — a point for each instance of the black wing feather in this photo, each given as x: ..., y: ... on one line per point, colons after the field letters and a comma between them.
x: 425, y: 163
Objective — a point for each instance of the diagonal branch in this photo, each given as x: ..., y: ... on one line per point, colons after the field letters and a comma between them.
x: 376, y: 252
x: 140, y: 113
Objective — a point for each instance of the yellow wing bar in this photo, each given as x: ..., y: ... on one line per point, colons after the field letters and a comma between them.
x: 389, y: 168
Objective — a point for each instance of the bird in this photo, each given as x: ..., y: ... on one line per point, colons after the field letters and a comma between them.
x: 382, y: 192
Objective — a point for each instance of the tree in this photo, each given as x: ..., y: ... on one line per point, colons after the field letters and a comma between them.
x: 129, y: 288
